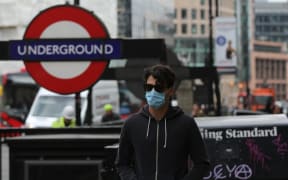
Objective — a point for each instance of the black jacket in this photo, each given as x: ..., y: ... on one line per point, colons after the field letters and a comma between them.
x: 150, y: 149
x: 110, y: 117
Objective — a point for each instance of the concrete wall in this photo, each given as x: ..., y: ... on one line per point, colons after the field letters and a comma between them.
x: 185, y: 96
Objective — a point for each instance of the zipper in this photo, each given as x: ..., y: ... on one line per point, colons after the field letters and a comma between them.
x: 157, y: 142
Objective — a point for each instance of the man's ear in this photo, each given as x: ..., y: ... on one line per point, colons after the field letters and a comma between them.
x: 171, y: 92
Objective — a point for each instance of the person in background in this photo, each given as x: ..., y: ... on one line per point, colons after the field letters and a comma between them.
x: 195, y: 110
x: 109, y: 114
x: 278, y: 108
x: 67, y: 119
x: 198, y: 110
x: 230, y: 51
x: 160, y: 140
x: 269, y: 106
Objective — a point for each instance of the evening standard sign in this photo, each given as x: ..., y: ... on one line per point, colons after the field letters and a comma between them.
x: 231, y: 133
x: 65, y: 49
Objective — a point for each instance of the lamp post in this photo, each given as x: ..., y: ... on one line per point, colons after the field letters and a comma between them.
x: 211, y: 62
x: 211, y: 58
x: 76, y: 2
x: 77, y: 95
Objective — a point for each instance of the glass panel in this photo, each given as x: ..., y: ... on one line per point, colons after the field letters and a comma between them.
x: 49, y: 106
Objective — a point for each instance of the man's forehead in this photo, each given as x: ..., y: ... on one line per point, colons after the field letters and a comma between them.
x: 151, y: 79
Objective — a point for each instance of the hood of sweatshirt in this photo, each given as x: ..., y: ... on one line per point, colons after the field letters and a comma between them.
x: 172, y: 112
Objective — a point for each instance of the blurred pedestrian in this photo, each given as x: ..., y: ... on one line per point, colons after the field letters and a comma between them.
x: 269, y: 106
x: 198, y: 110
x: 195, y: 110
x: 109, y: 115
x: 278, y: 108
x: 230, y: 51
x: 157, y: 142
x: 67, y: 119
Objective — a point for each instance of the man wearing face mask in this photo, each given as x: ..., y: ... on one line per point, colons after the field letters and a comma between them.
x: 157, y: 142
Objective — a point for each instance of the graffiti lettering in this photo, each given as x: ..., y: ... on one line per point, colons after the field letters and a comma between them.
x: 257, y: 156
x: 282, y: 147
x: 221, y: 171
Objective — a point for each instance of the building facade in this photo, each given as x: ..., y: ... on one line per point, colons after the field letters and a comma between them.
x: 269, y: 66
x: 146, y: 19
x: 271, y: 21
x: 191, y: 23
x: 268, y: 60
x: 191, y: 43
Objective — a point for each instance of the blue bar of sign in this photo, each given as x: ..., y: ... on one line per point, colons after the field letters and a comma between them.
x: 65, y: 49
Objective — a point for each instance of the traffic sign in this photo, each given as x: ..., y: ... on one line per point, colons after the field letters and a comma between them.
x: 66, y: 21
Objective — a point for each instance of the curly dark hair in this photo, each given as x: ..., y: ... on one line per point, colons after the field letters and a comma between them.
x: 162, y: 73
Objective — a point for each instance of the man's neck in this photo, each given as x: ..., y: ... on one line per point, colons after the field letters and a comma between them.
x: 158, y: 114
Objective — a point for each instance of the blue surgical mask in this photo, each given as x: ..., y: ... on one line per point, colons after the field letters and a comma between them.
x: 155, y: 99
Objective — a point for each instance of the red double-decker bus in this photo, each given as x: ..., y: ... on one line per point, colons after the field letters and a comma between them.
x: 18, y: 92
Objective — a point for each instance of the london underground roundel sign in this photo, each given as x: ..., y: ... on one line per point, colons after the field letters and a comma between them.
x: 66, y: 21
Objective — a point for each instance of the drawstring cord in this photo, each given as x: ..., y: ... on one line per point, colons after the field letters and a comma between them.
x: 147, y: 133
x: 148, y: 128
x: 165, y: 144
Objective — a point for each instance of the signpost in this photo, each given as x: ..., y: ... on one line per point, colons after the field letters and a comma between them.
x: 66, y: 49
x: 65, y: 77
x: 65, y: 21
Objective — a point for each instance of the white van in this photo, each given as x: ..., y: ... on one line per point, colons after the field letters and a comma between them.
x: 47, y: 106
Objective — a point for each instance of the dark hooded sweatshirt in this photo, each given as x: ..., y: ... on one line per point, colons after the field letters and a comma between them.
x: 159, y: 150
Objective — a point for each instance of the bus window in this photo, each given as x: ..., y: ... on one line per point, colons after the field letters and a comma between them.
x: 19, y: 91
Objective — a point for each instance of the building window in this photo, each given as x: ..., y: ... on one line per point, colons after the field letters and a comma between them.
x: 194, y: 13
x: 202, y: 14
x: 175, y: 13
x: 266, y: 19
x: 278, y: 90
x: 258, y: 19
x: 175, y: 28
x: 258, y: 28
x: 268, y: 71
x: 202, y: 29
x: 283, y: 91
x: 257, y: 68
x: 278, y: 69
x: 273, y: 69
x: 183, y: 13
x: 275, y: 18
x: 184, y: 28
x: 194, y: 29
x: 202, y: 2
x: 267, y: 68
x: 283, y: 69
